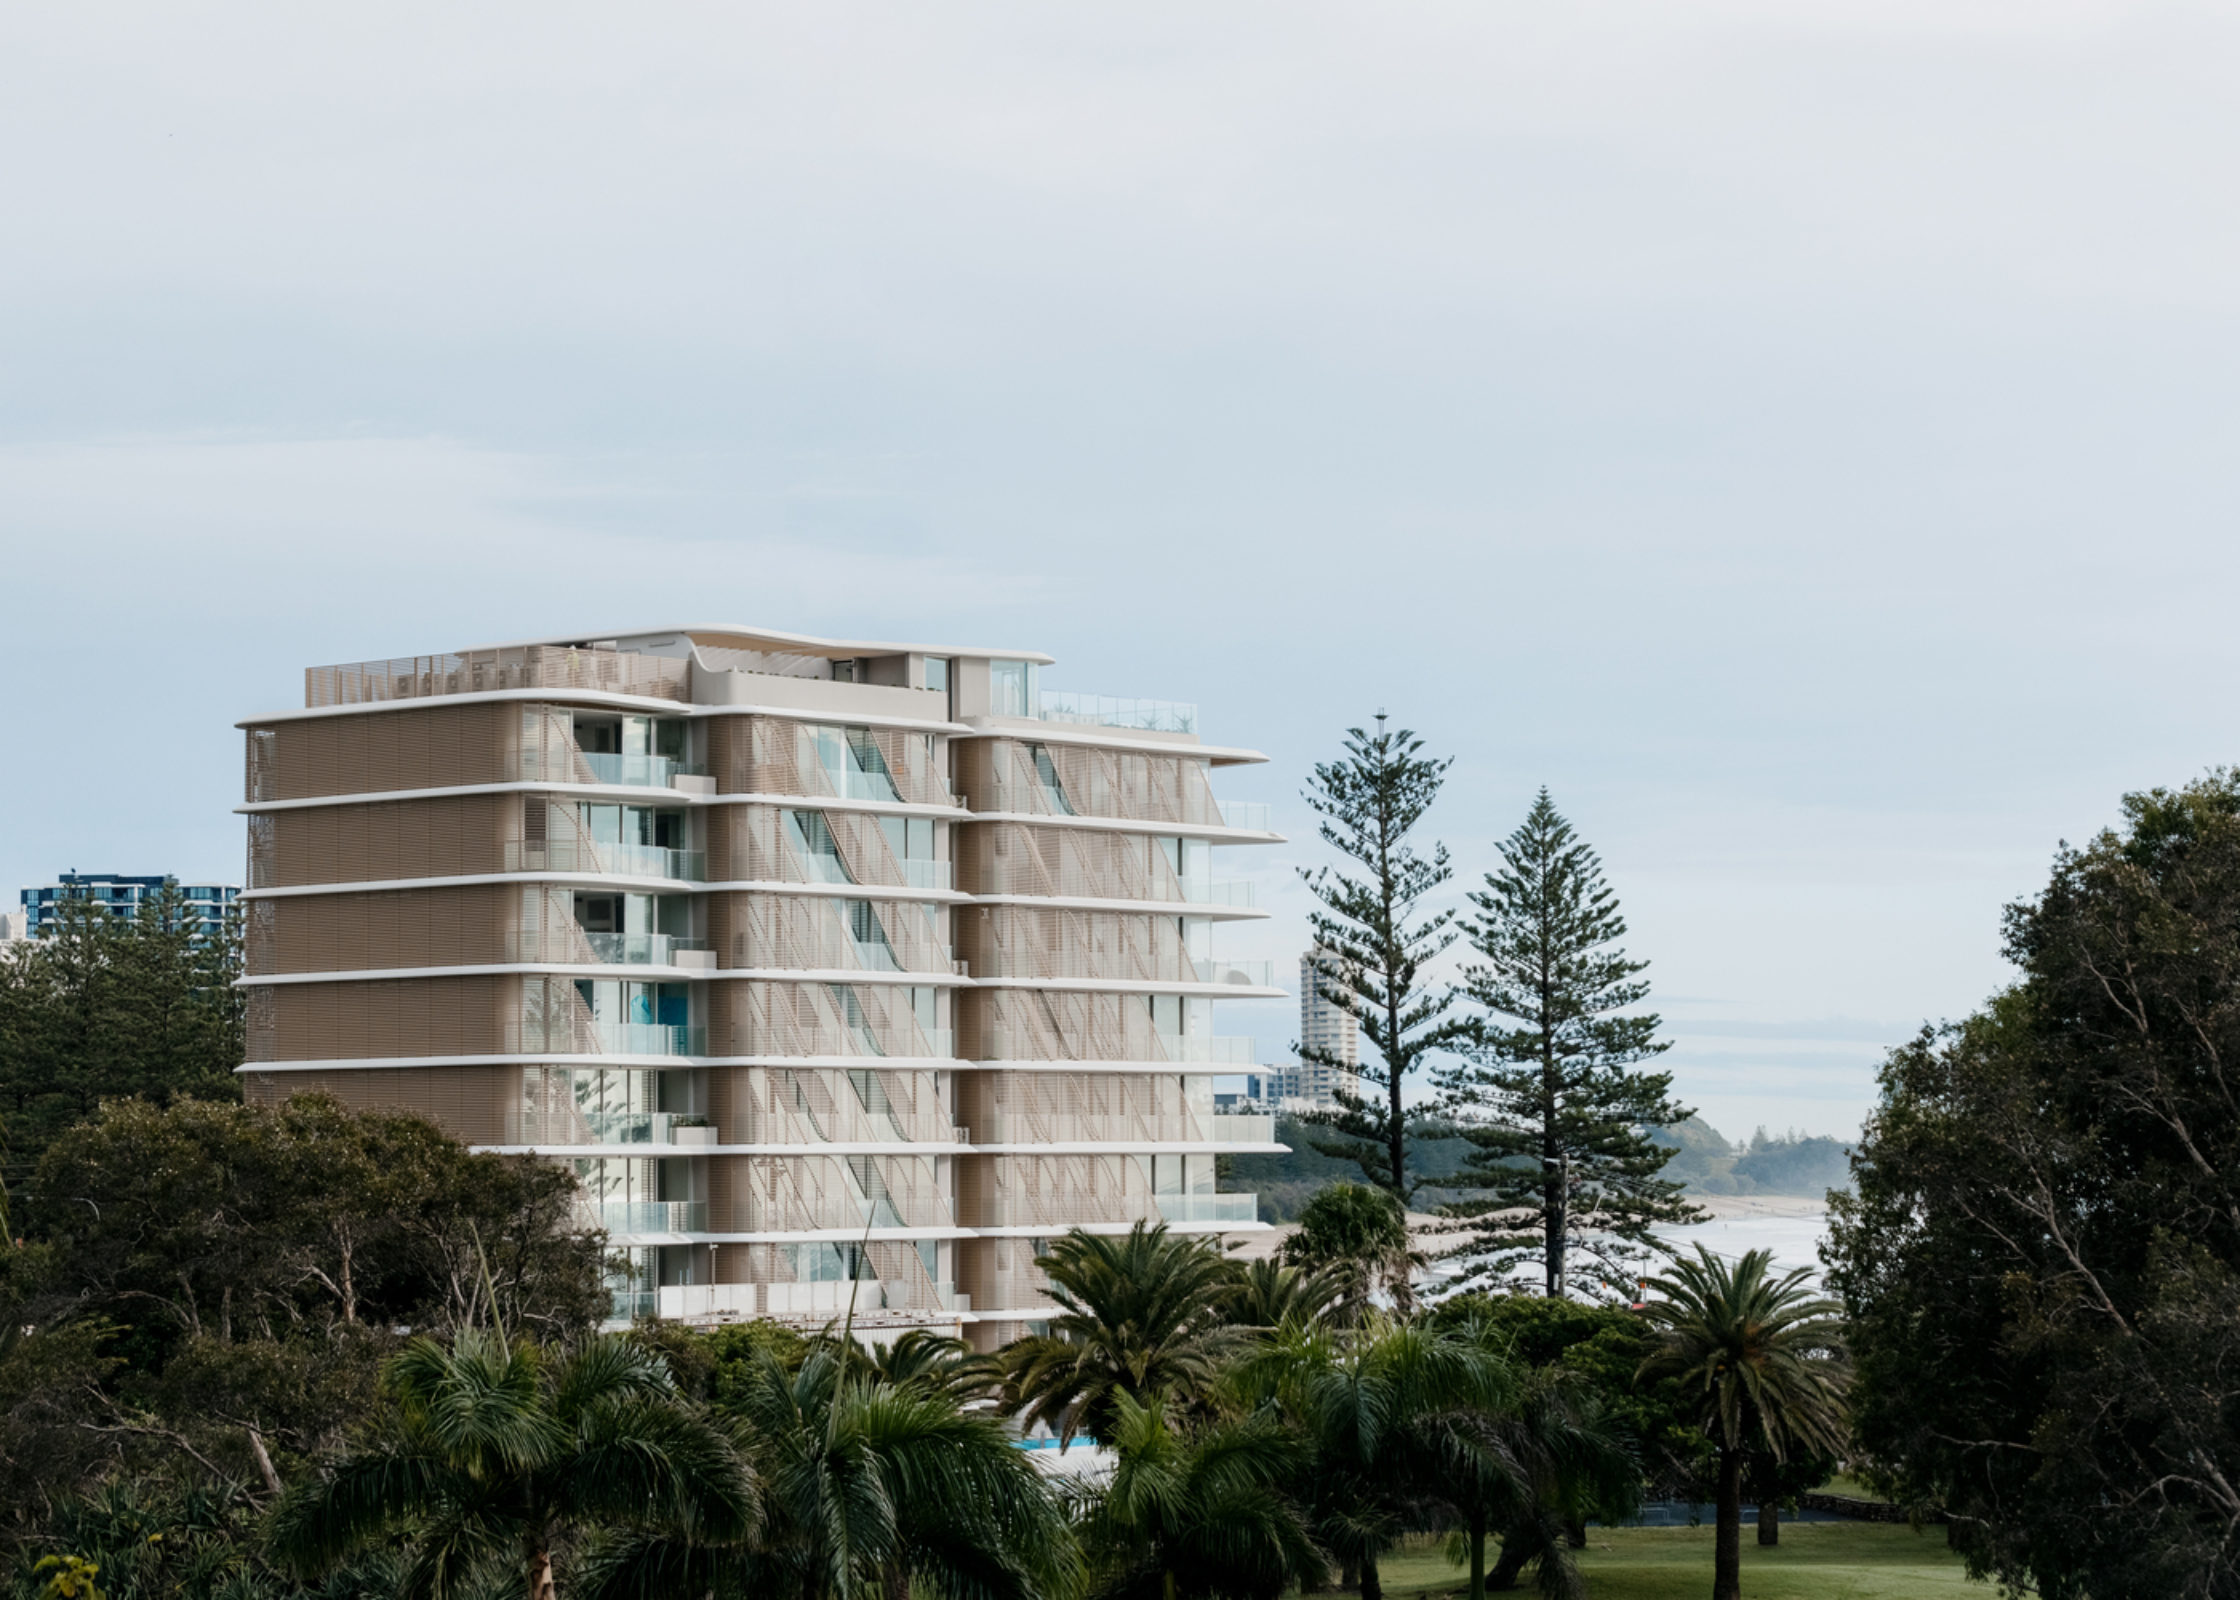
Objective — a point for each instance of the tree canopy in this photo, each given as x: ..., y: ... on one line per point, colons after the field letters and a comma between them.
x: 2041, y: 1261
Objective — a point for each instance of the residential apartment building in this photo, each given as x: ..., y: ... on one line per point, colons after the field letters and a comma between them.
x: 841, y: 973
x: 121, y: 897
x: 1326, y: 1031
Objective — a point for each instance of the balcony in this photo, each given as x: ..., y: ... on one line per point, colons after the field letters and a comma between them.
x: 1113, y: 711
x: 921, y: 874
x: 636, y: 771
x: 1211, y: 1049
x: 1219, y: 891
x: 641, y: 1039
x: 620, y: 860
x: 582, y: 1127
x: 1243, y: 974
x: 641, y: 949
x: 1039, y: 1044
x: 1215, y: 1208
x: 1254, y: 815
x: 1061, y: 1127
x: 646, y: 1216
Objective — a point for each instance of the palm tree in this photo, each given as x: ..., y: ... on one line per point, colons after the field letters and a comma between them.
x: 1765, y: 1360
x: 1197, y: 1515
x: 1379, y: 1404
x: 1140, y: 1314
x: 1534, y: 1474
x: 930, y: 1363
x: 870, y: 1489
x: 1268, y: 1294
x: 494, y: 1454
x: 1360, y: 1235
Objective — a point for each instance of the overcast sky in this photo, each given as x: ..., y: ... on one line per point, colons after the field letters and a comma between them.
x: 1800, y: 436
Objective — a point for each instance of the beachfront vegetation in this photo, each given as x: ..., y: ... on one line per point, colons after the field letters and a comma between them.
x: 2041, y: 1263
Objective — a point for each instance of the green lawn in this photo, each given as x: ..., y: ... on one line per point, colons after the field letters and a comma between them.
x: 1814, y: 1561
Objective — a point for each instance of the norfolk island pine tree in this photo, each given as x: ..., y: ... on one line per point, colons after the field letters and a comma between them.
x: 1549, y: 1095
x: 1370, y: 949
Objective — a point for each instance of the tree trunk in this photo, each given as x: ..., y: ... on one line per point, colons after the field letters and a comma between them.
x: 264, y: 1461
x: 1769, y: 1521
x: 1372, y: 1586
x: 540, y: 1572
x: 1726, y: 1571
x: 1477, y: 1558
x: 898, y: 1582
x: 1516, y: 1550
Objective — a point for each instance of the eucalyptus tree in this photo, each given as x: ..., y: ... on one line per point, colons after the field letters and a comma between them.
x: 1374, y: 941
x: 1552, y: 1096
x: 495, y: 1459
x: 1763, y: 1361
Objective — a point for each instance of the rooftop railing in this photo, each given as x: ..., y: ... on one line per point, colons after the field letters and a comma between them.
x: 535, y: 666
x: 1116, y: 711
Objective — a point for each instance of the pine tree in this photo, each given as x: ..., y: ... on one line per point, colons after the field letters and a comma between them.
x: 1549, y: 1096
x: 1370, y: 951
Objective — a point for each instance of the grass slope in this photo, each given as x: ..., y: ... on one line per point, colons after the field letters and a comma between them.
x: 1814, y: 1561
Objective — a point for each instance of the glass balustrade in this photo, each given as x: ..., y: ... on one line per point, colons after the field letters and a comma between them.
x: 1119, y: 711
x: 648, y: 1216
x: 1233, y: 1052
x: 1224, y: 1129
x: 1209, y: 1207
x: 636, y: 771
x: 1218, y: 891
x: 919, y: 874
x: 621, y: 860
x: 1246, y: 974
x: 644, y: 1038
x: 639, y: 949
x: 624, y: 1127
x: 1253, y: 814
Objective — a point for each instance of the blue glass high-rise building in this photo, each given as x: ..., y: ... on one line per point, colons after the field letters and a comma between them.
x: 121, y: 897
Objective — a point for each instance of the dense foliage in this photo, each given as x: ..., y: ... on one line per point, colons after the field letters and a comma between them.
x: 1267, y: 1431
x: 210, y: 1289
x: 2042, y: 1259
x: 108, y: 1006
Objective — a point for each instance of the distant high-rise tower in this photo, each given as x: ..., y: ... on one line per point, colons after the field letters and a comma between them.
x: 1327, y: 1028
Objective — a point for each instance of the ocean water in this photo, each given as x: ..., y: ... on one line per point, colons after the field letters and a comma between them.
x: 1794, y: 1241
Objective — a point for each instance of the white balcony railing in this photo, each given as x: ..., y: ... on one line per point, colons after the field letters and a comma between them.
x: 1256, y: 815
